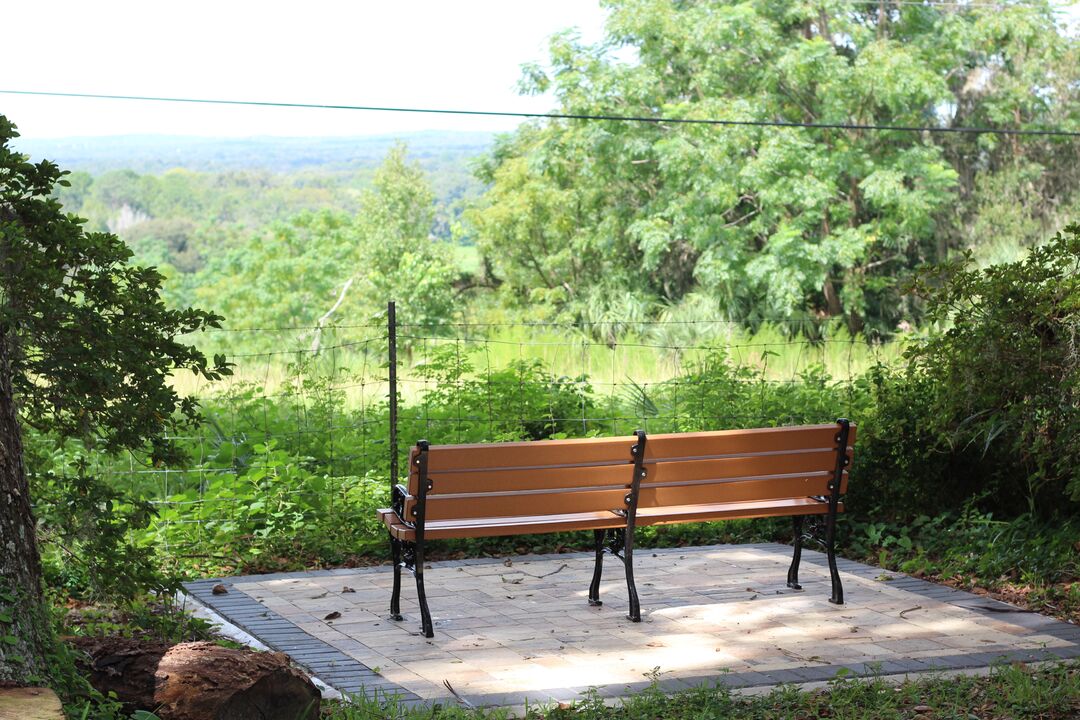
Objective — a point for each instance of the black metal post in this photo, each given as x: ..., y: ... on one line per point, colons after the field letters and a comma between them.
x: 631, y: 521
x: 834, y: 500
x: 598, y: 568
x: 421, y: 510
x: 793, y: 571
x: 391, y: 341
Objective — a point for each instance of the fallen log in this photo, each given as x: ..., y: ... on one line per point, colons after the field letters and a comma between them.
x: 199, y: 680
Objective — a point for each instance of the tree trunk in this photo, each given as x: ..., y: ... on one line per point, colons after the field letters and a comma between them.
x: 200, y: 680
x: 25, y: 633
x: 834, y: 307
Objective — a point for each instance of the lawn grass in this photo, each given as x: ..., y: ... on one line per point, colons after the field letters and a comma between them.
x: 1051, y: 692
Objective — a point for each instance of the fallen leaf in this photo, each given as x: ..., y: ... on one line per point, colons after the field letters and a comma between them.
x: 333, y: 616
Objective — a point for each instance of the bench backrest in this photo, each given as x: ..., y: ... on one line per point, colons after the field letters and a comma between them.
x: 544, y: 477
x: 741, y: 465
x: 554, y: 477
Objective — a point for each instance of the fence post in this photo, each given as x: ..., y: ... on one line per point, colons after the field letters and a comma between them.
x: 391, y: 338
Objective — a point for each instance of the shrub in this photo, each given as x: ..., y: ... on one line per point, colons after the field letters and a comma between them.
x: 988, y: 407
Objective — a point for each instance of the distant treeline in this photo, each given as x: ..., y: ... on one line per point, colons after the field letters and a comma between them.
x: 158, y: 153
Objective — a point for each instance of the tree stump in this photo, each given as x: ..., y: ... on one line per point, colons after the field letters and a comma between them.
x: 200, y: 680
x: 30, y: 704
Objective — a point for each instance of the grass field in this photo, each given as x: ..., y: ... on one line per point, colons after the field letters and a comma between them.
x: 357, y: 365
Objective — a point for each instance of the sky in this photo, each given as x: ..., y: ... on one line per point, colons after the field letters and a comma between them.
x: 417, y: 53
x: 459, y: 54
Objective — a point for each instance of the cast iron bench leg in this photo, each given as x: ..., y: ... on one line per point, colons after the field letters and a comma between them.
x: 395, y: 596
x: 594, y: 587
x: 628, y: 560
x: 830, y: 538
x: 834, y: 501
x: 796, y: 558
x: 425, y: 614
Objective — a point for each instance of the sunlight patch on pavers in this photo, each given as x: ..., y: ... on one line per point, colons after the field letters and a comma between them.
x: 505, y: 632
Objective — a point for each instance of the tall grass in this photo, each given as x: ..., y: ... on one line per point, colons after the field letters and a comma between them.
x: 654, y: 354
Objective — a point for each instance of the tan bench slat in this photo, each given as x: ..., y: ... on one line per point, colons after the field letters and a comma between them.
x: 534, y: 453
x: 454, y: 507
x: 742, y: 442
x: 761, y: 508
x: 768, y: 464
x: 740, y: 490
x: 545, y: 478
x: 493, y: 527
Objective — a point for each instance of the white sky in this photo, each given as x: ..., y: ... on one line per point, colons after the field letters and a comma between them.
x: 460, y: 54
x: 418, y: 53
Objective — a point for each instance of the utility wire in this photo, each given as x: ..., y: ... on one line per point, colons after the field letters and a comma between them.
x: 942, y: 3
x: 566, y: 116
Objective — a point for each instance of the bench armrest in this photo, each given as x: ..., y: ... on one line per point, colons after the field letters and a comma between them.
x: 397, y: 501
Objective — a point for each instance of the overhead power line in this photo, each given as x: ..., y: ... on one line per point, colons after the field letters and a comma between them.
x: 887, y: 4
x: 568, y: 116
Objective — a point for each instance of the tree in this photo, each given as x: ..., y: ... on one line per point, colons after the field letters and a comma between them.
x: 398, y: 259
x: 317, y: 268
x: 86, y: 350
x: 287, y: 274
x: 785, y: 224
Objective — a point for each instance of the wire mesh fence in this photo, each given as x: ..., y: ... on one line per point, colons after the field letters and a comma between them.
x: 301, y: 443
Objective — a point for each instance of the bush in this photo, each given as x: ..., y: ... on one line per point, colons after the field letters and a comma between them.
x: 989, y: 407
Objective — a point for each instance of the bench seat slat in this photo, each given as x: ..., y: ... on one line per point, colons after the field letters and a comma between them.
x: 716, y: 511
x: 742, y: 442
x: 498, y: 526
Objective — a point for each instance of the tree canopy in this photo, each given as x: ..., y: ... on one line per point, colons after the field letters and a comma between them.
x: 87, y: 347
x: 320, y: 267
x: 785, y: 224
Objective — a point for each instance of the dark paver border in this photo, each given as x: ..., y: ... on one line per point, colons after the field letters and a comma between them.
x: 352, y: 677
x: 326, y: 662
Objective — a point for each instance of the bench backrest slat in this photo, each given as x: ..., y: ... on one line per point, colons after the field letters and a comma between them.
x: 554, y: 477
x: 742, y: 442
x: 536, y: 453
x: 776, y: 487
x: 777, y: 463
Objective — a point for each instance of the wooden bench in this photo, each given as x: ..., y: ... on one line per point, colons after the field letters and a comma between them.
x: 614, y: 485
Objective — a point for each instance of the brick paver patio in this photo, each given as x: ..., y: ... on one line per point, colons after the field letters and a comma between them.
x: 507, y: 631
